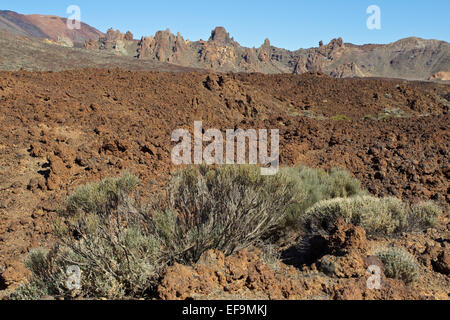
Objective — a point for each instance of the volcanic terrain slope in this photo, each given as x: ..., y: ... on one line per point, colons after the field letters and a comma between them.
x: 63, y: 129
x: 44, y: 26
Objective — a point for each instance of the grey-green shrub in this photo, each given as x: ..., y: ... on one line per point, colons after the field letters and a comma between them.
x: 424, y: 215
x: 224, y: 208
x: 399, y: 264
x: 317, y: 185
x: 104, y: 231
x: 376, y: 215
x: 33, y: 290
x: 117, y: 262
x: 94, y: 197
x: 46, y: 279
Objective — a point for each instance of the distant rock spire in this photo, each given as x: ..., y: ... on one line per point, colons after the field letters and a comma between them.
x: 220, y: 35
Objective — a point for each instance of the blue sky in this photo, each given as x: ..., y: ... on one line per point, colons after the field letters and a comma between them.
x: 290, y: 24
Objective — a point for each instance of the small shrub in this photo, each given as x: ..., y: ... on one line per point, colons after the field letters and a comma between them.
x: 369, y: 117
x: 93, y: 197
x: 47, y: 276
x: 384, y: 216
x: 399, y: 264
x: 270, y: 255
x: 378, y: 216
x: 387, y: 114
x: 424, y: 215
x: 395, y: 113
x: 317, y: 185
x: 310, y: 114
x: 34, y: 290
x: 118, y: 260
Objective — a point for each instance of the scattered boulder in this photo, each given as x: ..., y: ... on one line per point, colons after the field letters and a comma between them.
x: 442, y: 263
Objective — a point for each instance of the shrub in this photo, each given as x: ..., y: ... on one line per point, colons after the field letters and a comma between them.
x: 382, y: 216
x: 118, y: 258
x: 116, y: 262
x: 92, y: 198
x: 47, y: 276
x: 387, y: 114
x: 377, y: 216
x: 395, y: 113
x: 34, y: 290
x: 103, y: 231
x: 424, y: 215
x: 317, y: 185
x: 340, y: 117
x: 225, y: 208
x: 370, y: 117
x: 399, y: 264
x: 310, y: 114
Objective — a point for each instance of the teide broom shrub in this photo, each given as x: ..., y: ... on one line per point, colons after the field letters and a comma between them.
x: 225, y: 208
x: 104, y: 233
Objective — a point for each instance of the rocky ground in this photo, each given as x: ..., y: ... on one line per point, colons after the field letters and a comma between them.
x: 59, y: 130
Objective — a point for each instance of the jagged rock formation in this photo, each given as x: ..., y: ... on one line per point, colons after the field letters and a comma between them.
x: 164, y: 47
x: 114, y: 41
x: 411, y: 58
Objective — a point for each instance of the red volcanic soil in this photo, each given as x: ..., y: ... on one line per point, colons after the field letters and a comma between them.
x: 59, y: 130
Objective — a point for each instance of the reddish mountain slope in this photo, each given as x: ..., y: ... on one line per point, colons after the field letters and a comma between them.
x: 42, y: 26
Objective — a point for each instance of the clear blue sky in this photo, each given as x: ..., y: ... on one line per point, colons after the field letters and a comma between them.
x: 290, y: 24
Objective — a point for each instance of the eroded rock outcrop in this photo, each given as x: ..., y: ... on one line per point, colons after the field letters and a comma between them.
x: 165, y: 47
x: 338, y: 59
x: 347, y: 70
x: 114, y: 41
